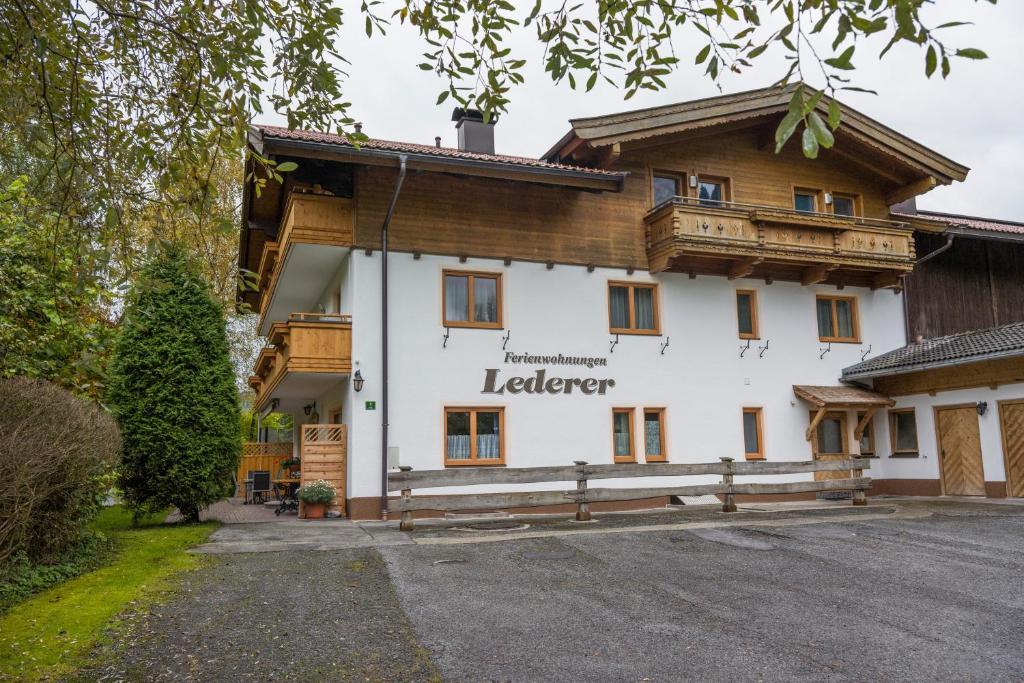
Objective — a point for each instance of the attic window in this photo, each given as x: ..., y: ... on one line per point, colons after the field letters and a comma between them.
x: 805, y: 200
x: 666, y: 186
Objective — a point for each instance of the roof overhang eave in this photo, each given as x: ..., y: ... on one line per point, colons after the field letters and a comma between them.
x: 427, y: 162
x: 919, y: 367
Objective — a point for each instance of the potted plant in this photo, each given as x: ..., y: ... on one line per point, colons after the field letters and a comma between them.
x: 291, y: 466
x: 316, y: 495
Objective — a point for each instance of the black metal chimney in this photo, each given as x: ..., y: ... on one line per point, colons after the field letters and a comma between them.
x: 474, y: 134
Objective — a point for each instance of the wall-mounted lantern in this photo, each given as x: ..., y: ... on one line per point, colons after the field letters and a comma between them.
x: 357, y: 381
x: 307, y: 409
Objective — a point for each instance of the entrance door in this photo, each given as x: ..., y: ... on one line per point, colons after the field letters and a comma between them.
x: 1011, y: 423
x: 829, y: 442
x: 960, y: 451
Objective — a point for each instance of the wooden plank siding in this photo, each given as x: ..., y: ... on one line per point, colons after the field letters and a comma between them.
x: 974, y: 285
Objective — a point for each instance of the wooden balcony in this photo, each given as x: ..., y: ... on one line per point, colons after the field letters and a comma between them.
x: 736, y: 240
x: 306, y: 354
x: 309, y: 222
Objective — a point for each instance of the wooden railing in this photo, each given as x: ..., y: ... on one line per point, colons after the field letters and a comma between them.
x: 259, y: 457
x: 406, y: 480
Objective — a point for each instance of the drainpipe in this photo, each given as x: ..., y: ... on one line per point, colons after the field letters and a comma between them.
x: 927, y: 257
x: 384, y: 338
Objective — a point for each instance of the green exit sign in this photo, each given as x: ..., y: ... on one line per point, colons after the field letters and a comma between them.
x: 371, y: 405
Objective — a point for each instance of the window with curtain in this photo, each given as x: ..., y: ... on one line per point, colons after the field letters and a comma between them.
x: 837, y: 318
x: 632, y: 308
x: 622, y: 435
x: 903, y: 431
x: 472, y: 299
x: 654, y: 435
x: 830, y: 435
x: 746, y: 313
x: 474, y: 436
x: 805, y: 200
x: 844, y: 205
x: 753, y: 439
x: 666, y: 186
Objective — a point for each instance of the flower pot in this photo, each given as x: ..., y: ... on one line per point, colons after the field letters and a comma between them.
x: 314, y: 510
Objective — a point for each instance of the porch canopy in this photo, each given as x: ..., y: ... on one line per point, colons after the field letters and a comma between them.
x: 841, y: 397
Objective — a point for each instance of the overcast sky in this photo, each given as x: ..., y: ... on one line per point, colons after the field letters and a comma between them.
x: 973, y: 117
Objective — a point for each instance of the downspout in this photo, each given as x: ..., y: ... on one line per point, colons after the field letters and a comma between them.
x: 927, y: 257
x: 384, y: 338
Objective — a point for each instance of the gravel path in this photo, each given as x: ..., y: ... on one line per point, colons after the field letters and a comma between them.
x: 296, y: 616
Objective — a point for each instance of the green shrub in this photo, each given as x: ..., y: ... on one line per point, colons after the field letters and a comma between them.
x: 317, y: 492
x: 173, y: 391
x: 56, y: 455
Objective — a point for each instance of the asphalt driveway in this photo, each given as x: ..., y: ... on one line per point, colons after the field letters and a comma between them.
x: 937, y: 598
x: 901, y: 592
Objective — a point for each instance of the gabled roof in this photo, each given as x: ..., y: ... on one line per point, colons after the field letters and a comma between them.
x: 279, y: 140
x: 840, y: 396
x: 954, y: 349
x: 600, y: 131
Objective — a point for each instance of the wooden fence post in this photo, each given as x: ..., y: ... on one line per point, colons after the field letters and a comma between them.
x: 729, y: 504
x: 406, y: 522
x: 582, y: 507
x: 860, y: 496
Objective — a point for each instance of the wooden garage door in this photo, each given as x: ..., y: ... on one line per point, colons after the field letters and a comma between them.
x: 1011, y: 422
x: 960, y: 451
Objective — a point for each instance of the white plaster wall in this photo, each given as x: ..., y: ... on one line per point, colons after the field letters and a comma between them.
x: 926, y: 466
x: 700, y: 378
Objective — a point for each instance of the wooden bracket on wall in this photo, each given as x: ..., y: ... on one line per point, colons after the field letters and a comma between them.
x: 858, y: 432
x: 743, y: 267
x: 912, y: 190
x: 816, y: 274
x: 818, y: 417
x: 887, y: 280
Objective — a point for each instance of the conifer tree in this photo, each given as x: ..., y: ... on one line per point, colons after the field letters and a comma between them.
x: 172, y: 388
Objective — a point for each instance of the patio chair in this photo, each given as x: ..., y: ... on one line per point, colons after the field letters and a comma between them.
x: 260, y: 485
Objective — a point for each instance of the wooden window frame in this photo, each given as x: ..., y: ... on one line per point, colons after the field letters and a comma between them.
x: 759, y: 424
x: 869, y: 431
x: 858, y: 210
x: 724, y: 181
x: 843, y: 426
x: 473, y: 461
x: 681, y: 182
x: 754, y: 317
x: 855, y: 314
x: 660, y: 412
x: 904, y: 453
x: 632, y: 435
x: 471, y: 276
x: 816, y: 193
x: 655, y: 304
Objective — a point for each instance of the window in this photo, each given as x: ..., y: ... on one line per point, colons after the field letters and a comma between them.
x: 753, y: 434
x: 712, y: 191
x: 867, y: 439
x: 746, y: 313
x: 654, y: 435
x: 805, y: 200
x: 474, y: 436
x: 837, y: 319
x: 472, y: 299
x: 633, y: 308
x: 830, y: 435
x: 666, y: 186
x: 622, y: 435
x: 903, y: 432
x: 844, y: 205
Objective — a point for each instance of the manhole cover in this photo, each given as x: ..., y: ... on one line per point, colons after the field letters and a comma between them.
x: 497, y: 526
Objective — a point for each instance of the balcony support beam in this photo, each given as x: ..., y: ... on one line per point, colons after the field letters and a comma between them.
x: 816, y: 274
x: 744, y: 267
x: 887, y: 280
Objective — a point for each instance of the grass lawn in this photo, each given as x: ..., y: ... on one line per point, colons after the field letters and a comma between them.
x: 52, y: 633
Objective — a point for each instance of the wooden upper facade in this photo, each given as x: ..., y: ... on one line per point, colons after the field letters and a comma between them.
x: 592, y: 200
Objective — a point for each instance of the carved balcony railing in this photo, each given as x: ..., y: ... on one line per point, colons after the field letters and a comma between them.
x: 742, y: 240
x: 305, y: 344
